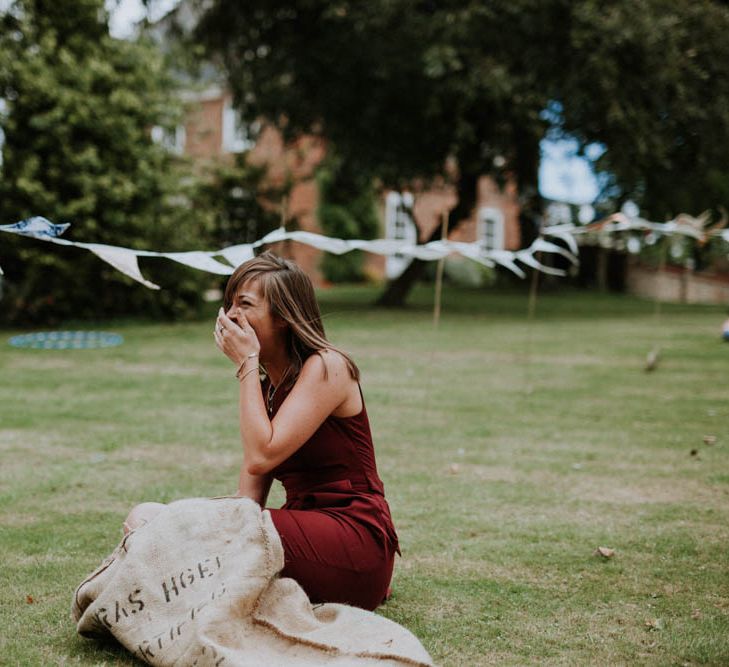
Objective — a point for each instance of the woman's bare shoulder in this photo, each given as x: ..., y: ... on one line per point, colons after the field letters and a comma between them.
x: 330, y: 362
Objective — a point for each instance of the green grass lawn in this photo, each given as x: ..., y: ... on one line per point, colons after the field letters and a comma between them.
x: 509, y: 453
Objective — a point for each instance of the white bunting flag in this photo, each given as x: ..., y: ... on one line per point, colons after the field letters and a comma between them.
x: 122, y: 259
x: 334, y: 246
x: 506, y: 259
x: 377, y: 246
x: 200, y: 260
x: 125, y: 259
x: 237, y: 254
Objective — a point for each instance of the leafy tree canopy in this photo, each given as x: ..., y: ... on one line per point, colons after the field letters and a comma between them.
x: 79, y: 107
x: 395, y: 86
x: 398, y: 86
x: 650, y: 81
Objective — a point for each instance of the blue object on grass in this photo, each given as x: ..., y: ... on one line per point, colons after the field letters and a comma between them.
x: 67, y: 340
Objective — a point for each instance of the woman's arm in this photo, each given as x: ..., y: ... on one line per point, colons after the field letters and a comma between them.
x: 315, y: 396
x: 266, y: 443
x: 255, y: 487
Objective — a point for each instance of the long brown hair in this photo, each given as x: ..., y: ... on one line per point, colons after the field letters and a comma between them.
x: 290, y: 296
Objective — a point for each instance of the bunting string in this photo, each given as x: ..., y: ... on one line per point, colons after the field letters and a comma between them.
x: 126, y: 259
x: 695, y: 227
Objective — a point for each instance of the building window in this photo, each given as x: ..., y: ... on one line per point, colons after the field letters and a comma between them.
x: 236, y: 137
x: 491, y: 228
x: 399, y: 226
x: 173, y: 140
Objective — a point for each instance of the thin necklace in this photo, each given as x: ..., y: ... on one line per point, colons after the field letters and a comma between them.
x: 269, y: 396
x: 272, y: 391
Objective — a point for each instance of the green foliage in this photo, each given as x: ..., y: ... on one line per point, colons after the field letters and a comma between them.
x: 241, y: 200
x: 648, y: 81
x: 80, y: 107
x: 346, y: 211
x: 399, y: 86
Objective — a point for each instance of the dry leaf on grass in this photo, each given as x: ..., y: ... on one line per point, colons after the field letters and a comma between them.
x: 654, y: 624
x: 651, y: 359
x: 605, y: 552
x: 29, y: 599
x: 454, y: 468
x: 696, y: 614
x: 709, y: 439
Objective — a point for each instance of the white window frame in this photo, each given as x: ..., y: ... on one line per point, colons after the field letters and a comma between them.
x: 399, y: 226
x: 491, y: 231
x: 236, y: 137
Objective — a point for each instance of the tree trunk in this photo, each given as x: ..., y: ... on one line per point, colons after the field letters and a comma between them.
x: 527, y: 157
x: 601, y: 269
x: 398, y: 289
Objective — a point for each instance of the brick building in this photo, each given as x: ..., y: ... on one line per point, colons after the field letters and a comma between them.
x: 211, y: 131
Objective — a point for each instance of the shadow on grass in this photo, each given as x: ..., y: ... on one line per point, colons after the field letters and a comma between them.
x: 101, y: 652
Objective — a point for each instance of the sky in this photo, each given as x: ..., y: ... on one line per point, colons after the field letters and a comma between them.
x: 123, y: 14
x: 563, y: 176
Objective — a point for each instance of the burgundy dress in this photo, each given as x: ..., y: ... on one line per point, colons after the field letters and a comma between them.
x: 337, y: 534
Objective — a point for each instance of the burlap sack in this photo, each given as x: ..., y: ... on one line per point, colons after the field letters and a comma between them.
x: 198, y: 586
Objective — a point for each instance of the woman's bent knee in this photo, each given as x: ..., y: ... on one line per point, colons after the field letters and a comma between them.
x: 141, y: 514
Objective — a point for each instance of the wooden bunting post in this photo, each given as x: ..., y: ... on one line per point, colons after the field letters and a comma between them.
x: 439, y: 272
x: 531, y: 312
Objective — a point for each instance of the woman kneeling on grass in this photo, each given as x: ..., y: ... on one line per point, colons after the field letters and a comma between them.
x: 304, y: 424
